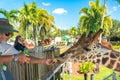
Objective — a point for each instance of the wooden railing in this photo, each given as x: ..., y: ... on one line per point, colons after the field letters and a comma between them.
x: 32, y: 71
x: 53, y: 74
x: 35, y: 71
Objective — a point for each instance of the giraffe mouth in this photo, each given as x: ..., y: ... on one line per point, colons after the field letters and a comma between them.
x: 59, y: 60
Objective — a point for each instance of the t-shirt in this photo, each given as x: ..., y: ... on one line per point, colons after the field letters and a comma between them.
x: 7, y: 49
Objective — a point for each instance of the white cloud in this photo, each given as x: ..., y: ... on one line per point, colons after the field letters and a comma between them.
x: 59, y: 11
x: 115, y: 8
x: 82, y: 14
x: 46, y: 4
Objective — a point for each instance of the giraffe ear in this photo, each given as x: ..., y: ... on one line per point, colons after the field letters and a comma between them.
x: 95, y: 37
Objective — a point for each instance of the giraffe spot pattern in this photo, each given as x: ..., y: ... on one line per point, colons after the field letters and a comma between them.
x: 112, y: 55
x: 104, y: 60
x: 118, y: 67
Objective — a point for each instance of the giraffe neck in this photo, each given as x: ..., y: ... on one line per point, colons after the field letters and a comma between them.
x: 101, y: 55
x: 110, y: 60
x: 107, y: 57
x: 89, y: 50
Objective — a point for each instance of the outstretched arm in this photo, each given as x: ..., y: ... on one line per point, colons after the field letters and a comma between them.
x: 35, y: 60
x: 22, y: 58
x: 6, y: 58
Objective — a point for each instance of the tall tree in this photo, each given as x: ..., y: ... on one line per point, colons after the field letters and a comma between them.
x: 91, y: 18
x: 10, y: 15
x: 118, y: 1
x: 115, y: 30
x: 73, y: 31
x: 24, y: 18
x: 37, y: 18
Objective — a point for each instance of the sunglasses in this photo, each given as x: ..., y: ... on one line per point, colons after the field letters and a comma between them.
x: 8, y: 34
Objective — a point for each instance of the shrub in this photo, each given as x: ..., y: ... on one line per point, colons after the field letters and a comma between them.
x: 86, y: 67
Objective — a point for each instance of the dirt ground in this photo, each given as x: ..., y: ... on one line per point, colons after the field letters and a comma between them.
x: 76, y: 70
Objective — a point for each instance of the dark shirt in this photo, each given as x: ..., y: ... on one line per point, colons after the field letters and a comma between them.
x: 19, y: 47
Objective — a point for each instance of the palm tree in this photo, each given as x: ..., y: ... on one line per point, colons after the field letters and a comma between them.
x: 115, y: 30
x: 92, y: 18
x: 24, y: 19
x: 118, y: 1
x: 73, y: 30
x: 37, y: 18
x: 46, y: 22
x: 10, y: 15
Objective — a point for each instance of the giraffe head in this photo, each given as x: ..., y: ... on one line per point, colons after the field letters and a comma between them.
x: 98, y: 53
x: 83, y: 46
x: 88, y: 48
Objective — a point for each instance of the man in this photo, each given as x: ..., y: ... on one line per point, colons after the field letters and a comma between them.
x: 10, y: 54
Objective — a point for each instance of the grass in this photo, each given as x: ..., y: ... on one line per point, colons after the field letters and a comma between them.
x: 116, y: 47
x: 104, y: 72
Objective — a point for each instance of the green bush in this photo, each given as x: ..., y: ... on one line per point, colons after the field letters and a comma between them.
x: 26, y: 51
x: 86, y: 67
x: 104, y: 72
x: 116, y: 47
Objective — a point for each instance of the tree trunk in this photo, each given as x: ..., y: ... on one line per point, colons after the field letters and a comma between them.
x: 26, y: 33
x: 35, y: 36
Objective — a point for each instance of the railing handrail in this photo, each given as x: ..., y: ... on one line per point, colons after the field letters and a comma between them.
x: 52, y: 73
x: 56, y: 70
x: 111, y: 75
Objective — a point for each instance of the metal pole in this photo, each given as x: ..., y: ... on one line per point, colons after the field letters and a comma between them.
x: 114, y: 76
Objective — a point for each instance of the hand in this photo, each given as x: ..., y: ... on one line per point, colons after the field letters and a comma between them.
x: 49, y: 61
x: 23, y: 58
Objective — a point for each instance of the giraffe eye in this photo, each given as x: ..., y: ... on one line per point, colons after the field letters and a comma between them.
x: 87, y: 49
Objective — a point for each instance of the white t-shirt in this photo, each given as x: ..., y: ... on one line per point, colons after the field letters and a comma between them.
x: 7, y: 49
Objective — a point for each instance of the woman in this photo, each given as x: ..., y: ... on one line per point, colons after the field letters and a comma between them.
x: 19, y: 45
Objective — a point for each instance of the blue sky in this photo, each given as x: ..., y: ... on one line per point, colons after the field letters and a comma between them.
x: 66, y: 12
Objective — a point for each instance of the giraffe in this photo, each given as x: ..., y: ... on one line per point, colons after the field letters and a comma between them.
x: 88, y: 49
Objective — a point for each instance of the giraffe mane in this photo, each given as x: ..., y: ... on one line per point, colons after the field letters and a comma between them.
x: 75, y: 46
x: 112, y: 50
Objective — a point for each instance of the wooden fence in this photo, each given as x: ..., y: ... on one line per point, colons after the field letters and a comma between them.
x: 34, y: 71
x: 54, y: 74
